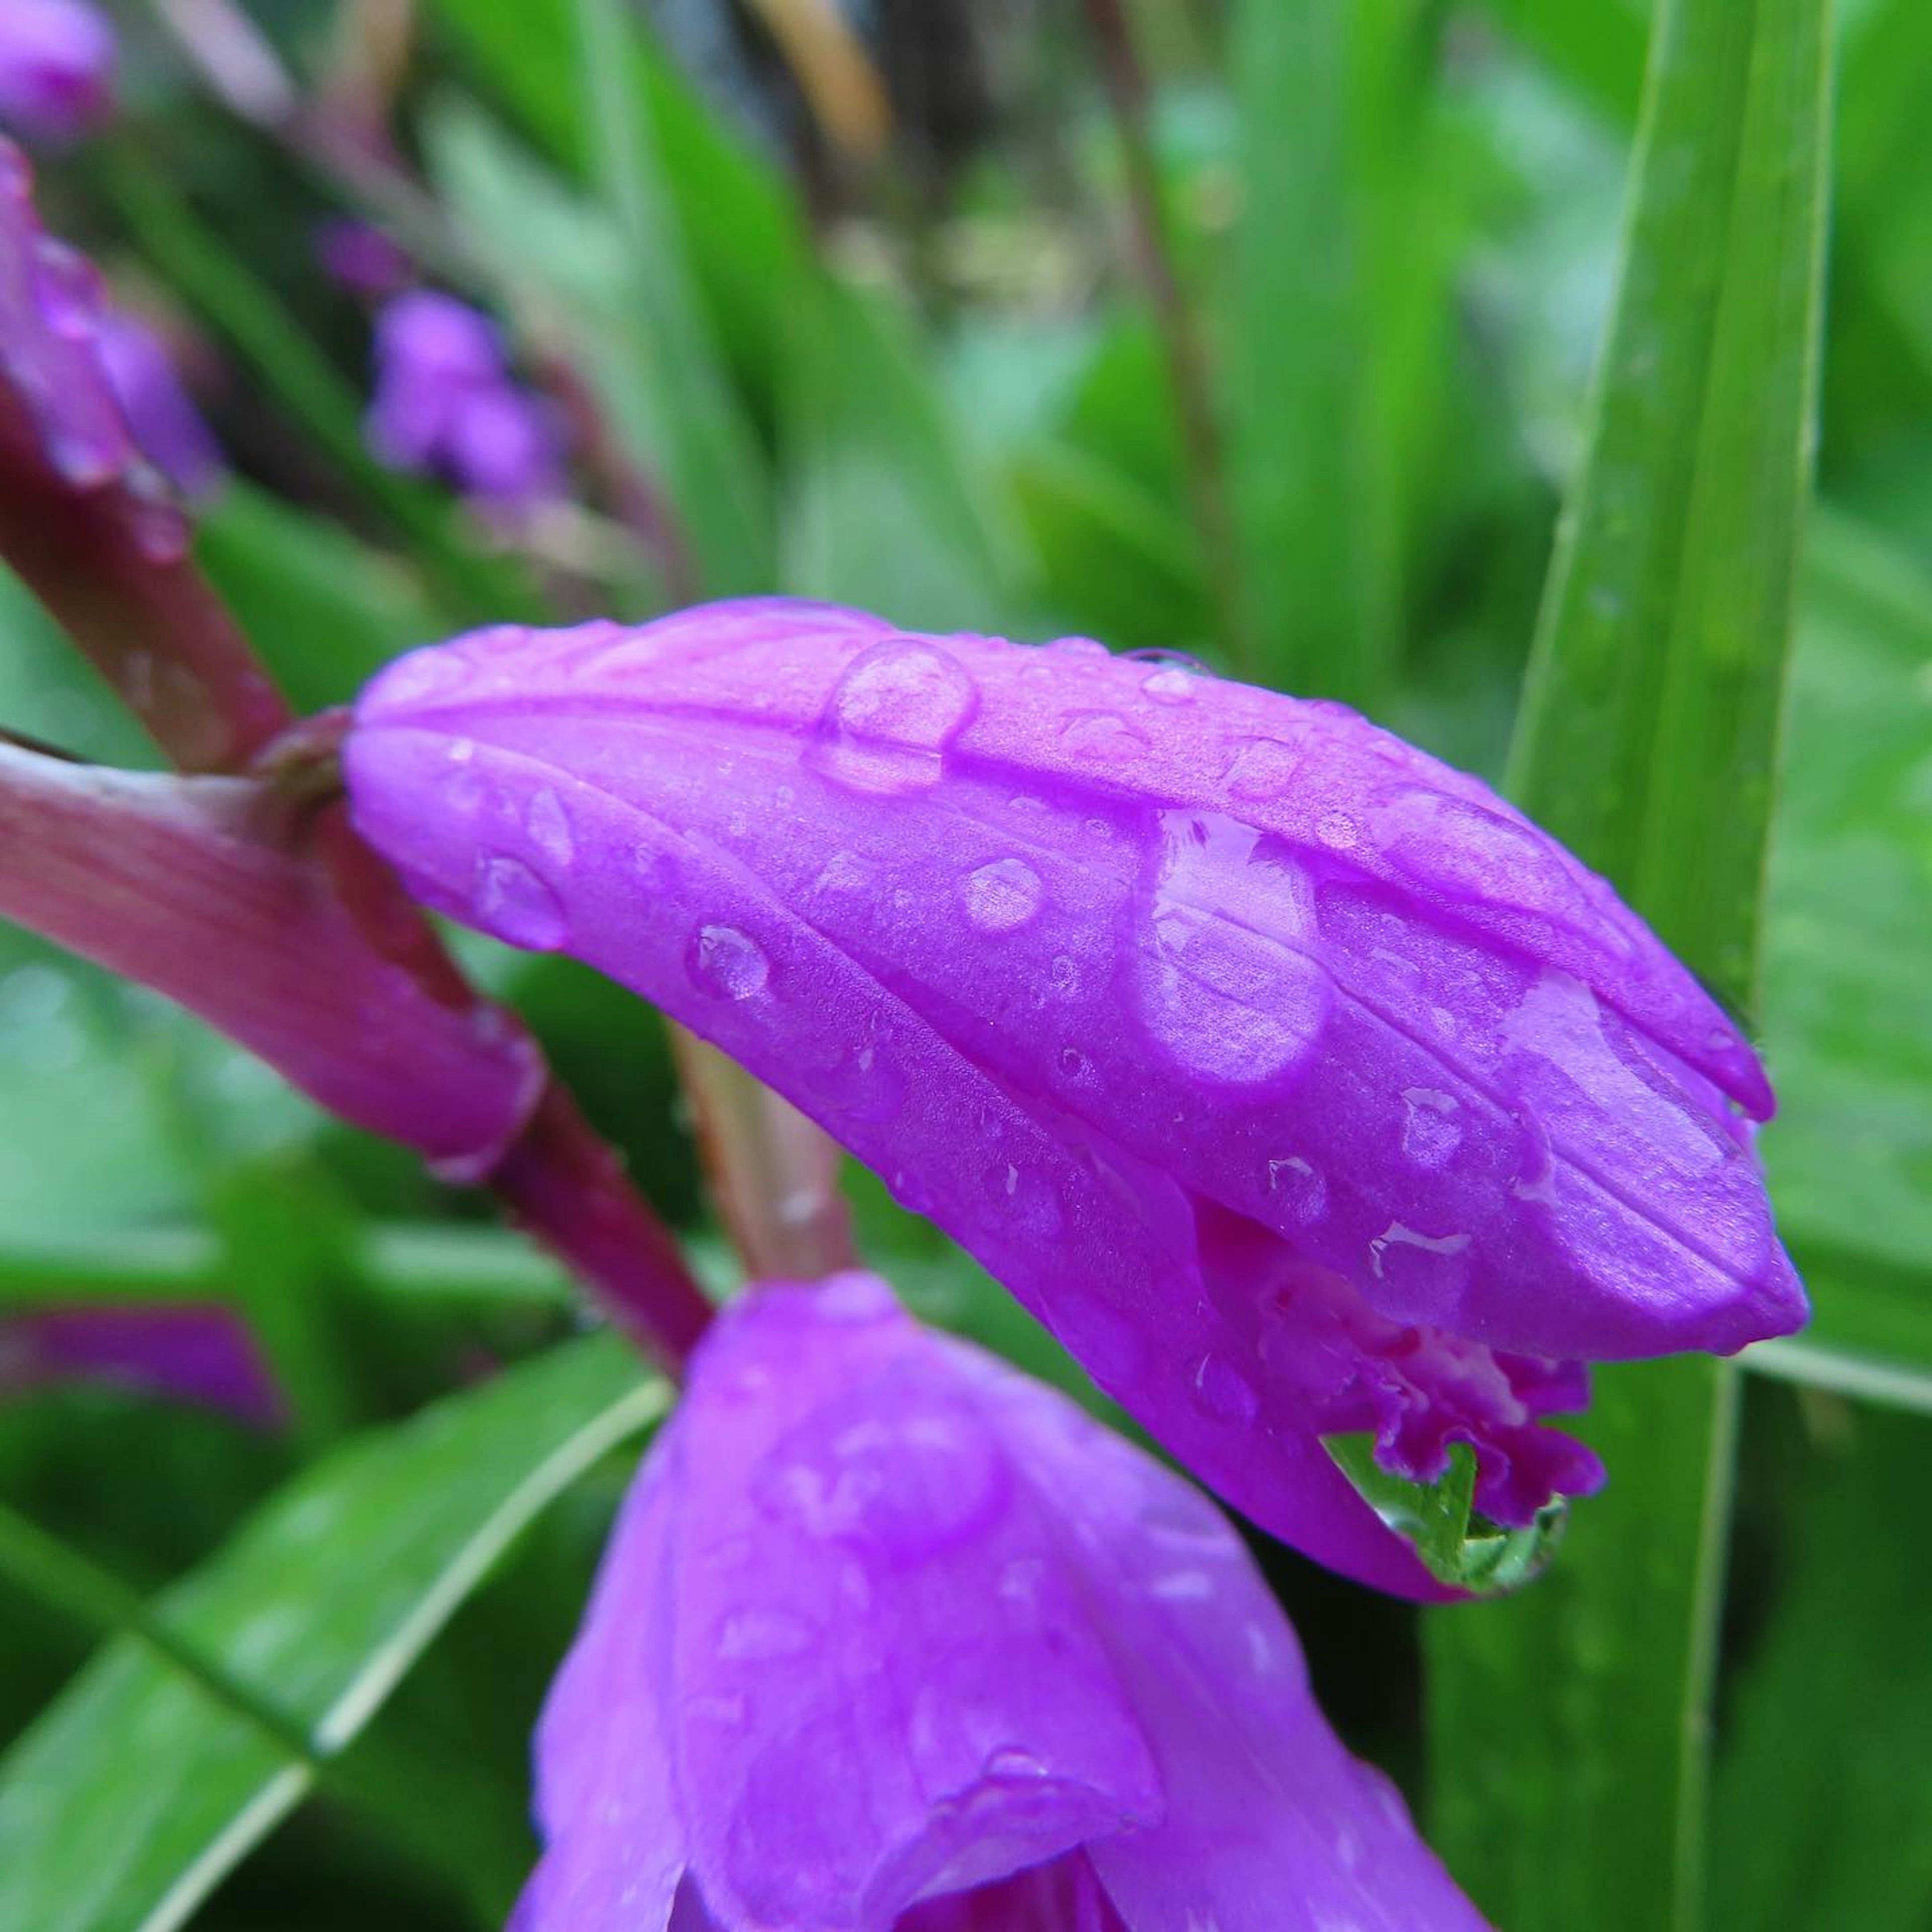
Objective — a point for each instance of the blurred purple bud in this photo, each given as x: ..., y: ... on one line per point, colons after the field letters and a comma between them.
x: 166, y: 425
x: 445, y: 402
x: 186, y: 885
x: 1301, y: 1085
x: 200, y: 1353
x: 361, y: 258
x: 889, y: 1635
x: 56, y: 67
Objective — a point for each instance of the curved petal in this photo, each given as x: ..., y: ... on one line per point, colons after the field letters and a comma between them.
x: 1227, y: 929
x: 885, y: 1689
x: 890, y: 1634
x: 615, y: 1844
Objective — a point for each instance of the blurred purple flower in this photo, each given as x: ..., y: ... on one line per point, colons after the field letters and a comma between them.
x: 1300, y: 1085
x: 889, y: 1635
x: 446, y: 403
x: 56, y: 67
x: 361, y: 257
x: 167, y: 426
x: 200, y: 1353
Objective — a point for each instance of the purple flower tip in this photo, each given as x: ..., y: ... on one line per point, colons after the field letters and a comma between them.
x: 1297, y: 1082
x: 446, y: 403
x: 888, y: 1636
x: 198, y: 1352
x: 56, y: 67
x: 362, y: 258
x: 167, y: 426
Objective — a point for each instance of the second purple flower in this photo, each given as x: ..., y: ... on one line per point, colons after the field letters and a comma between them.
x: 1301, y: 1085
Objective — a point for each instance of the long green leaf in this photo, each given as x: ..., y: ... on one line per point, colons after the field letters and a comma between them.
x: 1569, y: 1726
x: 144, y: 1784
x: 1339, y: 283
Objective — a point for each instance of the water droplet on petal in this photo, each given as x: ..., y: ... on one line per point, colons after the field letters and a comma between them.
x: 1221, y: 1391
x: 1430, y: 1134
x: 549, y: 829
x: 763, y: 1636
x: 896, y: 707
x: 1422, y: 1275
x: 1300, y: 1186
x: 1103, y: 737
x: 1002, y: 896
x: 1011, y: 1764
x: 724, y: 961
x: 1261, y: 768
x: 511, y: 902
x: 1170, y: 686
x: 1336, y: 830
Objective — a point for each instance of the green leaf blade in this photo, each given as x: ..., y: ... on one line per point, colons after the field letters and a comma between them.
x: 1570, y: 1726
x: 141, y: 1786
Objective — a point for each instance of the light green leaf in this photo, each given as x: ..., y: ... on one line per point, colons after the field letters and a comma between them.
x: 886, y: 508
x: 1569, y: 1726
x: 143, y: 1784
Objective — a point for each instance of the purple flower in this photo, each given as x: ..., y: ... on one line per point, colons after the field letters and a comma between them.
x: 191, y: 885
x: 361, y: 257
x: 166, y: 424
x: 889, y: 1635
x: 1301, y: 1085
x: 56, y: 67
x: 446, y: 403
x: 197, y: 1352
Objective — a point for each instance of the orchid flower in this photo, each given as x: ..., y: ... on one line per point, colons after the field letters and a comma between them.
x: 889, y: 1635
x: 1303, y: 1088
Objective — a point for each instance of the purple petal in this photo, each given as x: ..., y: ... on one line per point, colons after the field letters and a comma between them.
x: 202, y: 1354
x: 56, y: 67
x: 166, y: 425
x: 1101, y: 964
x: 887, y: 1624
x: 362, y: 258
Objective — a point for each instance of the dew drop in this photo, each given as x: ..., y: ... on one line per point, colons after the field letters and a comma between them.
x: 1029, y: 1199
x: 1220, y: 1390
x: 1102, y: 737
x: 1011, y: 1764
x: 1430, y: 1133
x: 511, y: 902
x: 895, y: 710
x: 1336, y: 830
x: 1299, y: 1185
x: 763, y: 1636
x: 549, y: 829
x: 1002, y: 896
x: 1422, y: 1275
x: 728, y: 963
x: 1173, y: 685
x: 1073, y: 1063
x: 1260, y: 768
x: 1062, y: 975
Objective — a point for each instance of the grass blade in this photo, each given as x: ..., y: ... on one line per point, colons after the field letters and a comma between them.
x: 1570, y: 1726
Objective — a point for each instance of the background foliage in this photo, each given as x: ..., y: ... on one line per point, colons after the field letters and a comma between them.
x: 939, y: 379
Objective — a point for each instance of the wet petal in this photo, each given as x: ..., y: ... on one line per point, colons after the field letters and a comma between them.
x: 923, y: 1630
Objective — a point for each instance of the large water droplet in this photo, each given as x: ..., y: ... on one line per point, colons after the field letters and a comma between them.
x: 1224, y: 987
x: 1002, y: 896
x: 763, y: 1636
x: 885, y: 727
x: 1261, y: 768
x: 1430, y: 1133
x: 549, y: 829
x: 1300, y: 1186
x: 1173, y: 685
x: 726, y: 962
x: 509, y: 901
x: 900, y: 1468
x: 1220, y: 1390
x: 1422, y: 1275
x: 1102, y: 737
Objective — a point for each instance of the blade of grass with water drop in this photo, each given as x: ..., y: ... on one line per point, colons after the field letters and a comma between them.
x: 1569, y: 1726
